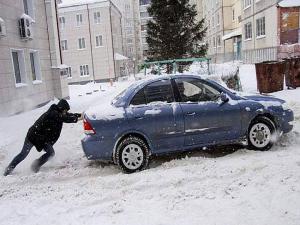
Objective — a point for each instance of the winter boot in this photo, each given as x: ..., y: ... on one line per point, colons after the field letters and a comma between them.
x: 35, y: 167
x: 8, y: 171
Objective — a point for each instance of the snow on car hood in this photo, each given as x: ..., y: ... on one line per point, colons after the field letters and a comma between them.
x: 105, y: 112
x: 266, y: 101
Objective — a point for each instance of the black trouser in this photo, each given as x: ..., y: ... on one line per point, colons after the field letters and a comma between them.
x: 25, y: 151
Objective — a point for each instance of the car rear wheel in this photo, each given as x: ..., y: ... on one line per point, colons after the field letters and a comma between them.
x: 260, y: 134
x: 132, y: 154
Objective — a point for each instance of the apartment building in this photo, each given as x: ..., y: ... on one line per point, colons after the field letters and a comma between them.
x: 131, y: 32
x: 144, y: 17
x: 259, y: 30
x: 31, y: 73
x: 223, y: 34
x: 91, y: 40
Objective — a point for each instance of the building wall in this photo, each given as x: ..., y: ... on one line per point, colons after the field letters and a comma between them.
x: 100, y: 60
x: 15, y: 99
x: 260, y: 48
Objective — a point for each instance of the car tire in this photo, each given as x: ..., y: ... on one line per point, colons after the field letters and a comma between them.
x: 132, y: 154
x: 260, y: 134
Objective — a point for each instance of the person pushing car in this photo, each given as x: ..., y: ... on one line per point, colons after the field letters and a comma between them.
x: 43, y: 134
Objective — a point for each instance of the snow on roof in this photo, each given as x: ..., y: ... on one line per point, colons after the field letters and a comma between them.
x: 120, y: 57
x: 232, y: 34
x: 66, y: 3
x: 289, y: 3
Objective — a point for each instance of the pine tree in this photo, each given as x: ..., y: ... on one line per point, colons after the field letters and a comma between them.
x: 174, y: 31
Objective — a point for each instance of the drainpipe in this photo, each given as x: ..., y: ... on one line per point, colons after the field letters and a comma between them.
x: 223, y: 30
x: 91, y: 45
x: 58, y: 32
x: 112, y: 39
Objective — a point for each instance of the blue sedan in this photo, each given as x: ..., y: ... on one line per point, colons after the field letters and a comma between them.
x: 178, y: 113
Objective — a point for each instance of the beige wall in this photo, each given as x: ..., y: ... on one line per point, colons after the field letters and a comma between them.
x: 100, y: 57
x: 15, y: 99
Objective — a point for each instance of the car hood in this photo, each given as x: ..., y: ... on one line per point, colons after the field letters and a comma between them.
x: 265, y: 100
x: 105, y: 112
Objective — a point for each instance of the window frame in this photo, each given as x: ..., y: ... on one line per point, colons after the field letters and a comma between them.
x: 62, y: 22
x: 37, y: 66
x: 247, y: 29
x: 79, y: 22
x: 29, y: 8
x: 64, y: 45
x: 100, y: 44
x: 22, y: 67
x: 97, y: 19
x: 84, y: 70
x: 261, y: 26
x: 81, y: 42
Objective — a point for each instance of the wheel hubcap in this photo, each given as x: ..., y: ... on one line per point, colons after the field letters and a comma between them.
x: 132, y: 156
x: 260, y: 135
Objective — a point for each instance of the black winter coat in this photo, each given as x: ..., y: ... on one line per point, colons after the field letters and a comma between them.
x: 48, y: 127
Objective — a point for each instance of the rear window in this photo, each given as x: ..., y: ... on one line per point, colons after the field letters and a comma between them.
x: 159, y: 91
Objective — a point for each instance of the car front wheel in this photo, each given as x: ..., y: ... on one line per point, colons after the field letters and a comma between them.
x: 132, y: 154
x: 261, y: 134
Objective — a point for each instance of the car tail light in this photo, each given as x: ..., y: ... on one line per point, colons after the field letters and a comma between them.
x: 88, y: 129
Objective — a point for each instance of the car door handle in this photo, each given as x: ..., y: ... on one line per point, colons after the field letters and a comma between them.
x: 138, y: 117
x: 191, y: 114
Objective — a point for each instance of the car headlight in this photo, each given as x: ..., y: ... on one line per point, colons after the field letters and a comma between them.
x: 285, y: 106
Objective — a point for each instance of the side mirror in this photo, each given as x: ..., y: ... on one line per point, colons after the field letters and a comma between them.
x: 224, y: 97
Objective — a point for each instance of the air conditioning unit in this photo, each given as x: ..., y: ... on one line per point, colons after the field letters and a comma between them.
x: 25, y: 27
x: 2, y: 28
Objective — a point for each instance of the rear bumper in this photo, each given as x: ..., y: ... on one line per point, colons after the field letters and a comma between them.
x: 96, y: 148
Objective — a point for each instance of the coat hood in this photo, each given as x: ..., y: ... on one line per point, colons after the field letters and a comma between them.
x: 63, y: 105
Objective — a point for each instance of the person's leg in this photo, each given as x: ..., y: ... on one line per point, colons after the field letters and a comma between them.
x: 43, y: 159
x: 19, y: 158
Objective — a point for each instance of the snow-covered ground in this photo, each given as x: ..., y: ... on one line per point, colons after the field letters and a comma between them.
x: 221, y: 186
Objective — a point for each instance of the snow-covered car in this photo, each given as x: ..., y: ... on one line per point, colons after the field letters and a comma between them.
x: 178, y: 113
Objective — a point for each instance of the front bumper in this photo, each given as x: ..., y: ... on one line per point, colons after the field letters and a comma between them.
x: 96, y: 148
x: 287, y: 123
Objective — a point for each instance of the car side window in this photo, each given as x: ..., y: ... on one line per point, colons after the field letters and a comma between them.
x: 159, y: 91
x: 139, y: 98
x: 194, y: 90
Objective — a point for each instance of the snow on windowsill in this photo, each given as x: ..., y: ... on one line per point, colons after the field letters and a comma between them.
x: 260, y: 37
x: 247, y: 7
x: 249, y: 39
x: 37, y: 82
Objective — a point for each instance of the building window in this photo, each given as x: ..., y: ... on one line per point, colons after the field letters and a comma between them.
x: 79, y: 19
x: 143, y: 27
x: 145, y: 2
x: 35, y: 66
x: 218, y: 19
x: 213, y: 21
x: 62, y: 22
x: 247, y: 3
x: 144, y: 14
x: 219, y: 41
x: 248, y: 31
x: 81, y: 43
x: 214, y: 42
x: 84, y: 70
x: 18, y: 66
x: 69, y: 70
x: 99, y: 41
x: 260, y: 27
x: 64, y: 45
x: 97, y: 18
x: 29, y: 8
x: 233, y: 14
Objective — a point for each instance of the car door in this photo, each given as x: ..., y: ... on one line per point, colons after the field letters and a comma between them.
x: 154, y: 112
x: 206, y: 118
